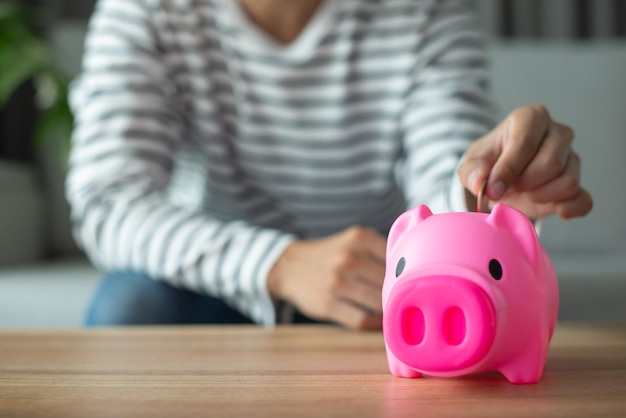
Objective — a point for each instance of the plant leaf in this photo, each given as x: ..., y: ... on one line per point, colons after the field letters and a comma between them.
x: 21, y: 56
x: 16, y: 69
x: 56, y: 121
x: 25, y: 54
x: 15, y: 11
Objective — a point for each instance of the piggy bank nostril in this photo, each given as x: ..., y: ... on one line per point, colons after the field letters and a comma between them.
x: 413, y: 325
x: 454, y: 326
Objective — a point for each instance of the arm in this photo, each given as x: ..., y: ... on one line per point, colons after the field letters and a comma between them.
x: 128, y: 128
x: 447, y: 109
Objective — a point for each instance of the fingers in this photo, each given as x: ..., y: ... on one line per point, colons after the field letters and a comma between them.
x: 476, y: 165
x: 371, y: 244
x: 564, y: 186
x: 358, y: 279
x: 552, y: 178
x: 362, y: 267
x: 353, y: 317
x: 337, y: 278
x: 363, y: 255
x: 528, y: 162
x: 579, y: 205
x: 361, y: 294
x: 359, y: 270
x: 503, y: 154
x: 519, y: 139
x: 551, y: 160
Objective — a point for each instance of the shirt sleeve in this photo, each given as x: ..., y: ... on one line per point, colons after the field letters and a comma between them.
x: 447, y: 108
x: 128, y: 129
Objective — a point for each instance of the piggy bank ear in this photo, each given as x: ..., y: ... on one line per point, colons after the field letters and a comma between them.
x: 406, y: 221
x: 519, y: 225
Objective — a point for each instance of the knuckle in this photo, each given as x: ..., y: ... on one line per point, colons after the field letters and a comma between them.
x: 531, y: 112
x: 508, y: 171
x: 570, y: 183
x: 518, y: 115
x: 345, y: 261
x: 335, y: 278
x: 552, y: 164
x: 326, y: 308
x: 563, y: 211
x: 355, y: 233
x: 569, y: 134
x: 360, y: 321
x: 539, y: 111
x: 336, y: 282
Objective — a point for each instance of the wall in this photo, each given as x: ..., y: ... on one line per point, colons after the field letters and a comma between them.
x: 583, y: 85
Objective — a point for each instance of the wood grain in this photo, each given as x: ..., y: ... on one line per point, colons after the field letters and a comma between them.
x: 288, y: 371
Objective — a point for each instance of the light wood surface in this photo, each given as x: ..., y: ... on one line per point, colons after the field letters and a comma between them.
x: 314, y: 371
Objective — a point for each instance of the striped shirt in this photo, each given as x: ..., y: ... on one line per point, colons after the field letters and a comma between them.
x: 202, y: 147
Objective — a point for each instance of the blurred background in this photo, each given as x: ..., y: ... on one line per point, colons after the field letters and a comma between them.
x: 567, y: 54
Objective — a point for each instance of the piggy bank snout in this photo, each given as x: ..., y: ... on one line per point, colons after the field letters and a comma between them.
x: 439, y: 323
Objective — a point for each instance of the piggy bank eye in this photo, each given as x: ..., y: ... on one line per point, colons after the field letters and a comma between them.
x: 495, y: 269
x: 400, y: 266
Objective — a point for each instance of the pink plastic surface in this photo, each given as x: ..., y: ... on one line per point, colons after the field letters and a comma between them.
x: 467, y: 293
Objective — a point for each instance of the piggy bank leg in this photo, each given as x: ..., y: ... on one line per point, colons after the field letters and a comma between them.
x: 398, y: 368
x: 528, y: 366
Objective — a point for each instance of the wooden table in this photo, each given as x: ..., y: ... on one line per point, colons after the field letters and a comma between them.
x: 288, y: 371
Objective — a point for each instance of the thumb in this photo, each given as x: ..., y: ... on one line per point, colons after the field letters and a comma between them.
x: 476, y: 165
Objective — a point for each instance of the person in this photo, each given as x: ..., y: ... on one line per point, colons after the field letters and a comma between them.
x: 242, y: 161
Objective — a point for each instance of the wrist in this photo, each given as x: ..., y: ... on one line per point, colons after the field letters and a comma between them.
x: 278, y: 274
x: 274, y: 284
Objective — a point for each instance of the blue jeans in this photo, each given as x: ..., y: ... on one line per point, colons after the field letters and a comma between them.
x: 135, y: 299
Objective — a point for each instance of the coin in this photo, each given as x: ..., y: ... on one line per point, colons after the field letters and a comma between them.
x: 481, y: 193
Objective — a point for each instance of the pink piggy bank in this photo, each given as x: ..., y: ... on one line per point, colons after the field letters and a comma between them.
x: 467, y: 293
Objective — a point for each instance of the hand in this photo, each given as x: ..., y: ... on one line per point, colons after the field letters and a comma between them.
x: 529, y: 163
x: 338, y: 278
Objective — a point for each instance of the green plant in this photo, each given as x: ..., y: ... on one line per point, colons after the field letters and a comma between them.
x: 26, y: 55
